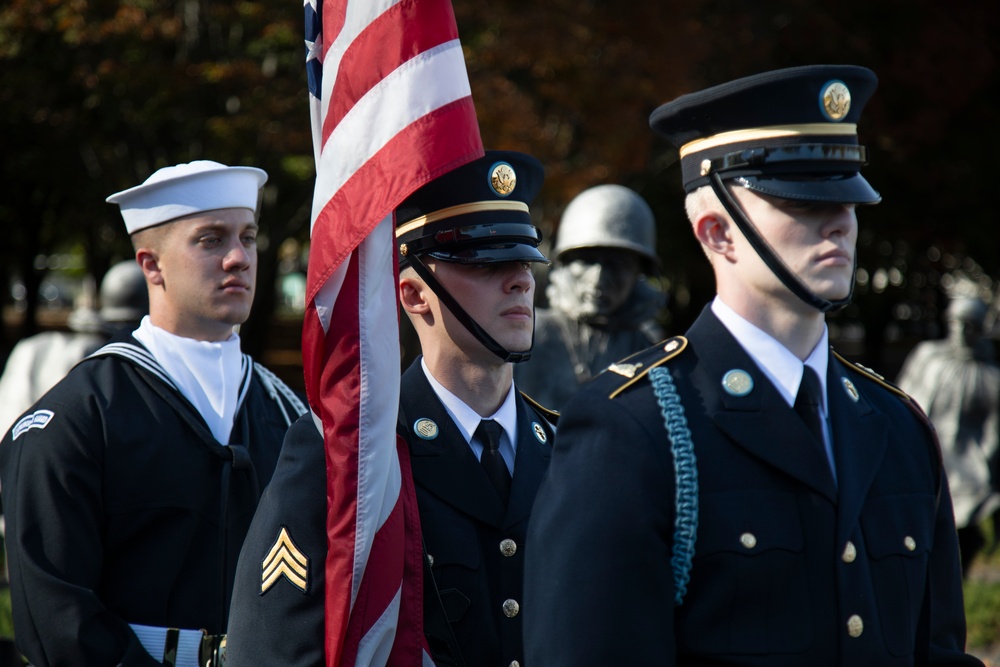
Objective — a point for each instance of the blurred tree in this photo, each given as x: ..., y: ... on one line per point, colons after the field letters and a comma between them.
x: 574, y: 84
x: 95, y: 95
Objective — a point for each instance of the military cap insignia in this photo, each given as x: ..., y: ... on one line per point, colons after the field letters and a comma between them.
x: 835, y: 100
x: 284, y: 560
x: 628, y: 370
x: 851, y: 390
x: 37, y: 419
x: 539, y: 432
x: 426, y: 428
x: 737, y: 382
x: 502, y: 179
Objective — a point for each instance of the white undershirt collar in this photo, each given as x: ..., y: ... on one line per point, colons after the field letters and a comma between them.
x: 778, y: 363
x: 775, y: 360
x: 468, y: 419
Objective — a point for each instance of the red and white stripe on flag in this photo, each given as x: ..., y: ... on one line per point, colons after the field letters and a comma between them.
x: 391, y: 110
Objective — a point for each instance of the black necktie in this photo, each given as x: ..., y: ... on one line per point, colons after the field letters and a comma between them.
x: 807, y: 404
x: 496, y: 469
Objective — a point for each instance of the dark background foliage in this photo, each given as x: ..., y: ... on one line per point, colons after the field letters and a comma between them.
x: 95, y: 95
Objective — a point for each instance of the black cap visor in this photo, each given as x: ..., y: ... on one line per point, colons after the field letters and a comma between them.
x: 490, y: 254
x: 476, y: 244
x: 832, y: 188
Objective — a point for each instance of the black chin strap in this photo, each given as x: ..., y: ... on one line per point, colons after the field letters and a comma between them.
x: 766, y: 253
x: 465, y: 319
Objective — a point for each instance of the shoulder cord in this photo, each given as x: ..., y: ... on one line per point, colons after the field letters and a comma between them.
x: 685, y: 478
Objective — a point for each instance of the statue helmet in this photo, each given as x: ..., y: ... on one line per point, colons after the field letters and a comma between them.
x: 609, y: 216
x: 124, y: 297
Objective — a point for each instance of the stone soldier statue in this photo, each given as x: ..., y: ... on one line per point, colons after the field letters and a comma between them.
x: 956, y: 380
x: 601, y: 308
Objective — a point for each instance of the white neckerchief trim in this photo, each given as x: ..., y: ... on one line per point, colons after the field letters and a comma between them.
x: 139, y: 356
x: 468, y: 419
x: 213, y: 375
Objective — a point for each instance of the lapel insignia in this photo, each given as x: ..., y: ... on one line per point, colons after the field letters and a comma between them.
x: 284, y: 560
x: 628, y: 370
x: 425, y: 428
x: 851, y: 390
x: 539, y: 432
x: 737, y: 382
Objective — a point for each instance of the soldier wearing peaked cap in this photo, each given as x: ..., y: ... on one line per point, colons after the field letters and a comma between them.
x: 478, y: 448
x: 741, y: 495
x: 130, y: 485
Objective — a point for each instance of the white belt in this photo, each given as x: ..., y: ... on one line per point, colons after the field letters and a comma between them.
x: 154, y: 640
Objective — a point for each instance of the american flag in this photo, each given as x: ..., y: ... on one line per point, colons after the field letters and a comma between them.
x: 391, y: 110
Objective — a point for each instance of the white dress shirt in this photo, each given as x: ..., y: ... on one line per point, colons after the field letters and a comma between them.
x: 777, y: 362
x: 468, y: 419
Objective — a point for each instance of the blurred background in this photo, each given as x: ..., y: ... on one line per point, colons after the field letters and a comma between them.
x: 97, y: 94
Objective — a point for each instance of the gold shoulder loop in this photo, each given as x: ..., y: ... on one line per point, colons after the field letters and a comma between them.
x: 637, y: 366
x: 551, y: 415
x: 873, y: 376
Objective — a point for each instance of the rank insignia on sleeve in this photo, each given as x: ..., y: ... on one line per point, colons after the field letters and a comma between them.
x: 37, y: 419
x: 284, y: 560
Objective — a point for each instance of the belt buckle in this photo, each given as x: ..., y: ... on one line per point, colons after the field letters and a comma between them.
x: 212, y: 652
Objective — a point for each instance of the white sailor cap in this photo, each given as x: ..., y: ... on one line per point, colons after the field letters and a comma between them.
x: 186, y: 189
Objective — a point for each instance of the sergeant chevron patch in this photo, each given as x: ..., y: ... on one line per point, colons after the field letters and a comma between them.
x: 284, y: 559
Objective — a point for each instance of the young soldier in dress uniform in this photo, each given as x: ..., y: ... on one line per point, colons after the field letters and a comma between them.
x: 130, y: 485
x: 741, y: 495
x: 478, y: 448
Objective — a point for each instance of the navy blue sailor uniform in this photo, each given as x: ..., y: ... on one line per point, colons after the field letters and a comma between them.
x: 787, y: 566
x: 475, y: 546
x: 125, y: 515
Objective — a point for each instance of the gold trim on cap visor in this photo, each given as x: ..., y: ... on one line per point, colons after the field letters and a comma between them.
x: 773, y: 132
x: 461, y: 209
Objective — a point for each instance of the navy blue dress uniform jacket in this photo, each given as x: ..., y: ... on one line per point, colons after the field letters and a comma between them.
x: 116, y: 512
x: 789, y: 567
x: 476, y: 545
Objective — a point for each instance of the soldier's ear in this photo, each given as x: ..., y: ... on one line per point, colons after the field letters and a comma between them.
x: 413, y: 294
x: 714, y: 232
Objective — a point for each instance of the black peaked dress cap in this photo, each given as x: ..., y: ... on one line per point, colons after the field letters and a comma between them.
x: 477, y: 213
x: 789, y: 133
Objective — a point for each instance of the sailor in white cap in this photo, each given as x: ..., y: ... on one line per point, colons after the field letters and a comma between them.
x: 130, y: 485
